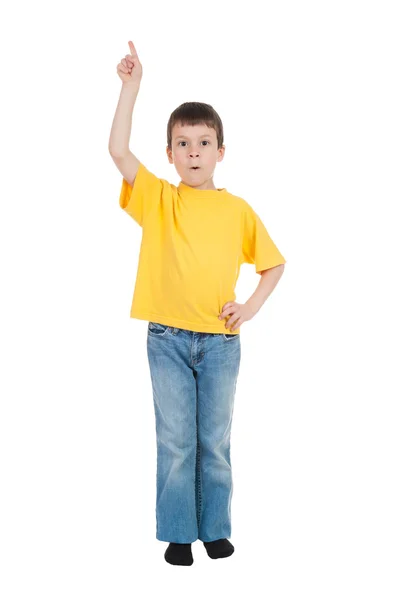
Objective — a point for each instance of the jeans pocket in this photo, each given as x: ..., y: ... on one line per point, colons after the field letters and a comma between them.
x: 157, y: 329
x: 229, y: 336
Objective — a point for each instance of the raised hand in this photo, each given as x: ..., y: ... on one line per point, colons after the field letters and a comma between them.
x: 130, y: 69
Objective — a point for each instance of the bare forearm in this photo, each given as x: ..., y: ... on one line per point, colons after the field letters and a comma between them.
x: 122, y: 123
x: 267, y: 283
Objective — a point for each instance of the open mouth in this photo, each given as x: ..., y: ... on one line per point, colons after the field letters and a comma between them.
x: 194, y: 168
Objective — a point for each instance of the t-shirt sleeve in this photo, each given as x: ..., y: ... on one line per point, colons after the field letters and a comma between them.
x: 138, y: 200
x: 258, y: 247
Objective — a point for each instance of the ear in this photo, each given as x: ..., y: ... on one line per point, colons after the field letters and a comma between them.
x: 221, y: 151
x: 169, y: 155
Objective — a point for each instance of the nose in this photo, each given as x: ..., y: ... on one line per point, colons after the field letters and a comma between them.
x: 194, y: 153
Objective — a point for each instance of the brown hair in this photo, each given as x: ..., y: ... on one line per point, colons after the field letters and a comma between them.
x: 195, y: 113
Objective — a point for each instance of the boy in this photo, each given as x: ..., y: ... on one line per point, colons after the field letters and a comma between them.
x: 195, y: 238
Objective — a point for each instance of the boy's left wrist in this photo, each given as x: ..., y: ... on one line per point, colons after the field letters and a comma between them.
x: 252, y: 306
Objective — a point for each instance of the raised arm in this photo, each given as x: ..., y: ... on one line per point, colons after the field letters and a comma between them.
x: 130, y: 71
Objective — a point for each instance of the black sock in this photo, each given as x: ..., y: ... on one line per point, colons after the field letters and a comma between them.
x: 219, y: 548
x: 179, y: 554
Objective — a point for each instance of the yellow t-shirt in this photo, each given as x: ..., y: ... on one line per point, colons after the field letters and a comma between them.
x: 193, y: 244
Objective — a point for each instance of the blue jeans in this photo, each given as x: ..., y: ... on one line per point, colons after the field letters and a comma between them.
x: 194, y: 377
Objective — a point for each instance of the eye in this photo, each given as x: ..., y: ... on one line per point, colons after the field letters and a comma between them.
x: 203, y: 141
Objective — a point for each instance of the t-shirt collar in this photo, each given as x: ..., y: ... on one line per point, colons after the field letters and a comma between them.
x: 187, y: 190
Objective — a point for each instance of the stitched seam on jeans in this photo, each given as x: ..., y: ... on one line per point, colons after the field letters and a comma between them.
x: 198, y: 476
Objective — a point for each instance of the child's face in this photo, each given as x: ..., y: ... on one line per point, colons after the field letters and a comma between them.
x: 194, y: 145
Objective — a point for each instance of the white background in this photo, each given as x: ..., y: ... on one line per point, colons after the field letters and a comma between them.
x: 308, y: 96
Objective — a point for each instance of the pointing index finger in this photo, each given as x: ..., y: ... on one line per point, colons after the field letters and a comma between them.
x: 132, y: 48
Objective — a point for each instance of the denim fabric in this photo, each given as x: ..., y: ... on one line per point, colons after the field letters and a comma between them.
x: 194, y: 377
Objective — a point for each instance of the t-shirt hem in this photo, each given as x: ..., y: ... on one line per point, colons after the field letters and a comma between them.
x: 173, y: 322
x: 270, y: 265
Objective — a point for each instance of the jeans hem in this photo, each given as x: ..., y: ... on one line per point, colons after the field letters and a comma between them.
x: 162, y: 539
